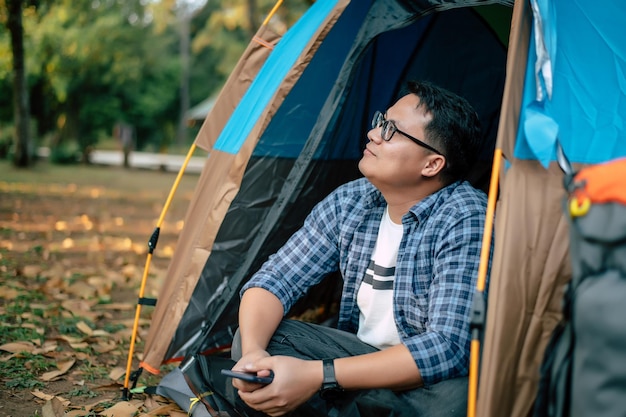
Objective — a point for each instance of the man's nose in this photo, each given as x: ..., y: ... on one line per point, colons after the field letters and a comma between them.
x: 374, y: 135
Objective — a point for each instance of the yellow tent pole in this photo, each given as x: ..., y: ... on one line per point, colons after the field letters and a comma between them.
x: 272, y: 12
x: 151, y: 246
x: 478, y: 310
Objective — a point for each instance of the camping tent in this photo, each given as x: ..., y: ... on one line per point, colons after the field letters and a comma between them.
x: 565, y: 82
x: 291, y: 121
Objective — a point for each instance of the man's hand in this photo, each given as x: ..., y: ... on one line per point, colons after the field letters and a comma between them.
x: 247, y: 361
x: 295, y: 381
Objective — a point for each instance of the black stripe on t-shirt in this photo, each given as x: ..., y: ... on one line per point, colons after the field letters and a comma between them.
x: 377, y: 284
x: 382, y: 271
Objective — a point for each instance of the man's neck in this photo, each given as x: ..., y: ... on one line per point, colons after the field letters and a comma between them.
x: 400, y: 201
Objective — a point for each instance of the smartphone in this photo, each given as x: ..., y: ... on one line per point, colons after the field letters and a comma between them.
x: 249, y: 377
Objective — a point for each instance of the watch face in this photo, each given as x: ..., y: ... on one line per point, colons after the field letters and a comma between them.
x: 331, y: 393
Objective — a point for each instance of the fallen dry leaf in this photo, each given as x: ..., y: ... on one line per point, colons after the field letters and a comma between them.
x: 42, y: 395
x: 17, y: 347
x: 46, y: 397
x: 8, y: 293
x: 63, y: 355
x: 84, y: 328
x: 48, y: 346
x: 50, y: 376
x: 104, y: 347
x: 103, y: 285
x: 38, y: 329
x: 82, y: 290
x: 69, y: 339
x: 121, y: 409
x: 53, y: 408
x: 82, y: 356
x: 63, y: 368
x: 31, y: 271
x: 163, y: 410
x: 116, y: 373
x: 130, y: 271
x: 76, y: 413
x: 116, y: 306
x: 113, y: 386
x: 100, y: 333
x: 83, y: 410
x: 79, y: 306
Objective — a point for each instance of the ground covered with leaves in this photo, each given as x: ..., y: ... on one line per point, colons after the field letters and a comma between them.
x: 73, y: 245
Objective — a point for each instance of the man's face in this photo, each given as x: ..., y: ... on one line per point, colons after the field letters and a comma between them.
x: 399, y: 162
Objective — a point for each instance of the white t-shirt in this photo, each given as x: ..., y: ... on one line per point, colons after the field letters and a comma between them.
x: 375, y: 296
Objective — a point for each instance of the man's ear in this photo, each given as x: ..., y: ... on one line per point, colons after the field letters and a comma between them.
x: 434, y: 165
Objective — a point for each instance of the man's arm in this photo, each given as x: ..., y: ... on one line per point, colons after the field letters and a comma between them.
x: 260, y: 313
x: 392, y: 368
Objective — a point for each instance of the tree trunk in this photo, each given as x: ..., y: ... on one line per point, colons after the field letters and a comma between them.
x: 184, y: 17
x: 22, y: 156
x: 253, y: 17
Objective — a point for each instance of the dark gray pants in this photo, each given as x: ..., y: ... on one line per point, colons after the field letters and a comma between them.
x: 311, y: 341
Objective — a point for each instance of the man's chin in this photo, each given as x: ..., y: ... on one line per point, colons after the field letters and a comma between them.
x: 363, y: 167
x: 367, y: 171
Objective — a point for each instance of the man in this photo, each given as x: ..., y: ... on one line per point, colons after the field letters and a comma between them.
x: 406, y: 239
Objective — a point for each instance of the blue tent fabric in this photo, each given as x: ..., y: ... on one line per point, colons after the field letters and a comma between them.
x: 290, y: 127
x: 271, y: 77
x: 587, y: 107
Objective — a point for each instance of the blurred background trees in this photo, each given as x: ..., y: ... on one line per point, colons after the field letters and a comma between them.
x: 87, y: 67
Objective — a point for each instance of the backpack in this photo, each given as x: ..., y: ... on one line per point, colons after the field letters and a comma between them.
x: 584, y: 368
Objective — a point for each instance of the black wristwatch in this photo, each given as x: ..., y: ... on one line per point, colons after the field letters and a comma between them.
x: 330, y: 386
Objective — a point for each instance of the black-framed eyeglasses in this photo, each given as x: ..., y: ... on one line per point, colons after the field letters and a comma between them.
x: 389, y: 128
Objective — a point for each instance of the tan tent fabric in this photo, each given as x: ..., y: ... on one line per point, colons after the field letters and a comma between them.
x: 530, y: 264
x: 517, y: 57
x: 529, y: 270
x: 216, y: 188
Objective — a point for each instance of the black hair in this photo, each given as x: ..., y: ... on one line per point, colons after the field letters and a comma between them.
x: 454, y: 128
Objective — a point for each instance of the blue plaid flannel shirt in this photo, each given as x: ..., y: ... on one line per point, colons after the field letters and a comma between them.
x: 436, y: 270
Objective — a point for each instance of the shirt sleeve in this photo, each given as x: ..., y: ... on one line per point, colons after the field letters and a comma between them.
x: 308, y: 256
x: 442, y: 351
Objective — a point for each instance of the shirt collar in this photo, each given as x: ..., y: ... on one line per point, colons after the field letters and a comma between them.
x: 423, y: 208
x: 431, y: 203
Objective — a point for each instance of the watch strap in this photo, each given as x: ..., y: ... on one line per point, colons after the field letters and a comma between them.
x: 329, y: 383
x: 329, y: 372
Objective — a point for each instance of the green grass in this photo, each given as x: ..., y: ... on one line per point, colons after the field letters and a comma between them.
x: 93, y: 371
x: 82, y: 391
x: 22, y: 371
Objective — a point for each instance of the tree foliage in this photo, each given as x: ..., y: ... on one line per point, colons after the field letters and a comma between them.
x: 91, y: 64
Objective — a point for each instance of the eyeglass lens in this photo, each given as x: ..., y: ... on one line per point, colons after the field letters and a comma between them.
x: 388, y: 127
